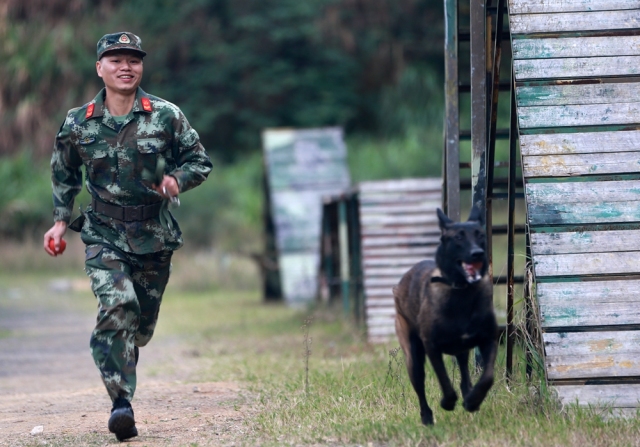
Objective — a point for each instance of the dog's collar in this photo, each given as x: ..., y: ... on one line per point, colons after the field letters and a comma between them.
x: 443, y: 280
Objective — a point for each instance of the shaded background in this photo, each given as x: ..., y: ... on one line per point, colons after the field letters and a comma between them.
x: 374, y: 67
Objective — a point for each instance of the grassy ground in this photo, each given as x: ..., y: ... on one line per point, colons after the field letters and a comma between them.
x: 314, y: 381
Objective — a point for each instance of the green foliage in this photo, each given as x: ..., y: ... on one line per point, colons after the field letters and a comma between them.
x: 234, y: 67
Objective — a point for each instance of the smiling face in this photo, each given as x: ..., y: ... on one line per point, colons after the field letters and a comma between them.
x: 121, y: 71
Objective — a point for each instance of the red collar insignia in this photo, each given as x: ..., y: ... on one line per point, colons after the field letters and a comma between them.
x: 146, y: 104
x: 89, y: 113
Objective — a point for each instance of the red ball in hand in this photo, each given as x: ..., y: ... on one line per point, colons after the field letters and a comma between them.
x: 63, y: 245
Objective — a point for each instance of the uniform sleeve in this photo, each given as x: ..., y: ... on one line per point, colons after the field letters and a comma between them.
x: 66, y: 175
x: 193, y: 163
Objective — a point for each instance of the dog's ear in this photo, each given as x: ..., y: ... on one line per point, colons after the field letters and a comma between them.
x: 443, y: 220
x: 475, y: 215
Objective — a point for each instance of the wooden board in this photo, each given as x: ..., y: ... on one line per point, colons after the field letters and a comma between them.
x: 576, y: 67
x: 579, y: 355
x: 584, y: 192
x: 546, y: 6
x: 576, y: 47
x: 580, y: 143
x: 585, y: 314
x: 579, y: 122
x: 617, y: 263
x: 399, y: 228
x: 584, y: 242
x: 581, y: 164
x: 578, y: 115
x: 301, y: 167
x: 574, y: 21
x: 617, y: 396
x: 574, y: 94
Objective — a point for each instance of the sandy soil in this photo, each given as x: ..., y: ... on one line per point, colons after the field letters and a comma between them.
x: 51, y: 393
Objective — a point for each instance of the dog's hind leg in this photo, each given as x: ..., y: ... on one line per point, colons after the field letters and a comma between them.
x: 449, y: 396
x: 415, y: 358
x: 473, y: 400
x: 465, y: 380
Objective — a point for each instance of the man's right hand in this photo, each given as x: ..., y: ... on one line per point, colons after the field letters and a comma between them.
x: 55, y: 232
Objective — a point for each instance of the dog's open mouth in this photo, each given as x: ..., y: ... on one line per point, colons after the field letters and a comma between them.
x: 472, y: 271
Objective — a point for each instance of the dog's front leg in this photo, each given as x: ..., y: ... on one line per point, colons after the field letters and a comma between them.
x: 465, y: 380
x: 449, y: 396
x: 473, y: 400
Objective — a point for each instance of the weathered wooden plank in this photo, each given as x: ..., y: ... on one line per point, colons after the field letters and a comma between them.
x: 574, y: 94
x: 584, y: 242
x: 579, y: 67
x: 616, y: 396
x: 399, y: 251
x: 399, y: 230
x: 404, y: 261
x: 424, y: 219
x: 378, y: 291
x: 574, y: 21
x: 578, y: 115
x: 577, y: 213
x: 574, y: 47
x: 592, y: 354
x: 383, y: 331
x: 380, y: 301
x: 584, y: 192
x: 580, y: 164
x: 609, y: 291
x: 589, y: 313
x: 385, y: 312
x: 592, y: 264
x: 580, y: 143
x: 546, y: 6
x: 399, y: 241
x: 404, y: 185
x: 384, y: 198
x: 391, y: 209
x: 382, y: 281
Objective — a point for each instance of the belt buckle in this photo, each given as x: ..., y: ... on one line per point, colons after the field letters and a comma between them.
x: 134, y: 213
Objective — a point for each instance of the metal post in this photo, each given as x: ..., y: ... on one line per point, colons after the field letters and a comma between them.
x: 494, y: 95
x: 343, y: 238
x: 513, y: 135
x: 478, y: 103
x: 452, y: 126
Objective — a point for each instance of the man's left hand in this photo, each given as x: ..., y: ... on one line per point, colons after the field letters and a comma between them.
x: 168, y: 188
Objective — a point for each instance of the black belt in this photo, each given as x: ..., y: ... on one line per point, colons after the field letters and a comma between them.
x: 126, y: 213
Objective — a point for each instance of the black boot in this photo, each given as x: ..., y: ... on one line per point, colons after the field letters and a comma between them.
x: 121, y: 422
x: 136, y: 352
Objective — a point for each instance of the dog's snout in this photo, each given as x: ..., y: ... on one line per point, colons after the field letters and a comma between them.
x: 477, y: 253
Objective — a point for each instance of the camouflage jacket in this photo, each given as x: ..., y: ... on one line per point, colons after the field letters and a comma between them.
x: 115, y: 157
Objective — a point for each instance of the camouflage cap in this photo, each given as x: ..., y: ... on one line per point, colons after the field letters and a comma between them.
x: 120, y: 41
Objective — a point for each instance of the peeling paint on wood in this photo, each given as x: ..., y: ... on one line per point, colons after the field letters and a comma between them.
x: 574, y: 21
x: 581, y: 164
x: 574, y: 47
x: 580, y: 143
x: 578, y: 115
x: 575, y: 94
x: 580, y: 67
x: 546, y: 6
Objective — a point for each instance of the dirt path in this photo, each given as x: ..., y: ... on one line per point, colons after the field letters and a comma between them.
x: 50, y: 386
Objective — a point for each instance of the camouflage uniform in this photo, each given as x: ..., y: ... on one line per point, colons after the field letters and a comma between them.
x: 128, y: 261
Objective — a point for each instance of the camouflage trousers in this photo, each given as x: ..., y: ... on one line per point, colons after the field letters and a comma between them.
x: 129, y: 290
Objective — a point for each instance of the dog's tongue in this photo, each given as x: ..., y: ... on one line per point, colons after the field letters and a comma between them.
x: 472, y: 270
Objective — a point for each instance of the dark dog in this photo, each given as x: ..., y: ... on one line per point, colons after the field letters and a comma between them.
x: 446, y: 307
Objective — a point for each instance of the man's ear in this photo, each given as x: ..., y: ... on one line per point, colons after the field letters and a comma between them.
x: 443, y: 219
x: 475, y: 214
x: 99, y: 68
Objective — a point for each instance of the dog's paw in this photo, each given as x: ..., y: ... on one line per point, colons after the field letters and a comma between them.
x: 448, y: 402
x: 471, y: 403
x: 427, y: 419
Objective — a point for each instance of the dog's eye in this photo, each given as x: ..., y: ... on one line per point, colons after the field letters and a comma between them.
x: 459, y: 237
